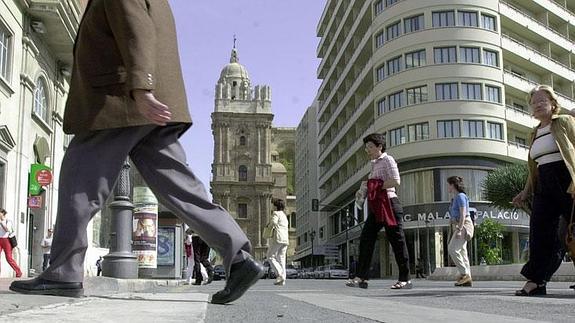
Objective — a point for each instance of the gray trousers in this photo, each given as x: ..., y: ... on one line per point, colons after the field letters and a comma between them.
x: 89, y: 170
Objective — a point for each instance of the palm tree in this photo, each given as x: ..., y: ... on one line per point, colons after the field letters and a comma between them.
x: 503, y: 184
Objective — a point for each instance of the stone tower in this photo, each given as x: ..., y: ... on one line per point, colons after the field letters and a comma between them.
x: 242, y: 180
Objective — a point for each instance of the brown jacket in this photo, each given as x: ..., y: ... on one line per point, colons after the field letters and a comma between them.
x: 124, y: 45
x: 563, y: 130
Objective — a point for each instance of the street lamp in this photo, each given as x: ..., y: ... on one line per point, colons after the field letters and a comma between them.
x: 312, y: 236
x: 347, y: 220
x: 428, y: 271
x: 121, y: 262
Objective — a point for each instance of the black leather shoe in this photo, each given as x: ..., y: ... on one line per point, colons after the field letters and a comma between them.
x: 39, y: 286
x: 242, y: 276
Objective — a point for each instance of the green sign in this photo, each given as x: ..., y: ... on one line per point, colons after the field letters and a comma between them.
x: 35, y: 188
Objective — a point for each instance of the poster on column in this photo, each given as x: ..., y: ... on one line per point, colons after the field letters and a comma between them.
x: 145, y: 227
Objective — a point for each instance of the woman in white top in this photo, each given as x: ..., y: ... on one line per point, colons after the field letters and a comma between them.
x: 551, y: 185
x: 279, y: 241
x: 5, y: 231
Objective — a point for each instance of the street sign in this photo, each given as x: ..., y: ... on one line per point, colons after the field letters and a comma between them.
x: 44, y: 177
x: 38, y: 172
x: 35, y: 202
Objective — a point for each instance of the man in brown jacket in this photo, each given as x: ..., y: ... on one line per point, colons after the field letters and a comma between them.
x: 127, y: 98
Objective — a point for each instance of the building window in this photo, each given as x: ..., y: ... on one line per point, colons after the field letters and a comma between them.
x: 468, y: 18
x: 521, y: 141
x: 443, y: 55
x: 495, y: 130
x: 292, y: 220
x: 381, y: 107
x: 298, y: 241
x: 473, y: 128
x: 471, y: 91
x: 67, y: 140
x: 389, y: 3
x: 417, y: 132
x: 395, y: 101
x: 243, y: 173
x: 5, y: 53
x: 488, y: 22
x: 415, y: 59
x: 469, y: 55
x: 394, y: 65
x: 392, y: 31
x: 412, y: 24
x: 396, y: 136
x: 242, y: 141
x: 490, y: 58
x: 242, y: 210
x: 493, y: 93
x: 448, y: 129
x: 380, y: 73
x: 446, y: 91
x: 378, y: 7
x: 379, y: 40
x: 41, y: 100
x: 305, y: 237
x: 416, y: 95
x: 321, y: 232
x: 443, y: 18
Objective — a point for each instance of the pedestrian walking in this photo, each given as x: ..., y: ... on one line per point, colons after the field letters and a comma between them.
x: 127, y: 98
x: 385, y: 211
x: 551, y: 164
x: 6, y: 231
x: 99, y: 266
x: 189, y: 257
x: 46, y: 246
x: 462, y: 228
x: 278, y: 241
x: 203, y: 269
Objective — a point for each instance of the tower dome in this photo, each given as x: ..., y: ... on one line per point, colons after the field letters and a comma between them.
x: 234, y: 70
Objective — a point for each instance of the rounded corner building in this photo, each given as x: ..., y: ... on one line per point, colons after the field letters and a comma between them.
x: 446, y: 82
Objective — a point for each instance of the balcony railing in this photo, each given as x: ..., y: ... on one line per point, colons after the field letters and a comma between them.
x: 517, y: 144
x: 537, y: 52
x: 525, y: 14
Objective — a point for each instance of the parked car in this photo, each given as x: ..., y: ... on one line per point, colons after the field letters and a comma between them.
x: 318, y: 272
x: 219, y: 272
x: 291, y: 272
x: 307, y: 273
x: 335, y: 271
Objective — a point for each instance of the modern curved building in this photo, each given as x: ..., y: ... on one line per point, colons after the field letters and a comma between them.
x: 446, y: 81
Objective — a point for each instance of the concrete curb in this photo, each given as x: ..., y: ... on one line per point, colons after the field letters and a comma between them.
x: 565, y: 273
x: 107, y: 285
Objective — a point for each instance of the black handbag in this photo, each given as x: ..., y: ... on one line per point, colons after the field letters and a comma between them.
x: 13, y: 241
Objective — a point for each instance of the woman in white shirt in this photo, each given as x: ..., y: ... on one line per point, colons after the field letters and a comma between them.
x: 5, y: 231
x: 278, y: 239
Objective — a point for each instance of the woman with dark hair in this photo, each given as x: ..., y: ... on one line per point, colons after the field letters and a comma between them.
x: 6, y: 230
x: 278, y: 239
x: 551, y: 164
x: 463, y: 229
x: 385, y: 210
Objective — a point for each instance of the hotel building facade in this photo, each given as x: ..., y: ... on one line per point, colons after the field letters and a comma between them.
x: 445, y: 81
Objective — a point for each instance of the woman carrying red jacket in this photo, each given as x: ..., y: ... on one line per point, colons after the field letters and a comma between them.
x: 385, y: 210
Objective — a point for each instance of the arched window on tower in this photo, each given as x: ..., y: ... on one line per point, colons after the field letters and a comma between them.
x: 242, y: 141
x: 243, y: 173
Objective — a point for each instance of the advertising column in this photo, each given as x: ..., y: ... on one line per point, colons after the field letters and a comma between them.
x: 145, y: 228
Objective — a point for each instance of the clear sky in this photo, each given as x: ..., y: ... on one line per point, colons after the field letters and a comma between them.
x: 276, y: 42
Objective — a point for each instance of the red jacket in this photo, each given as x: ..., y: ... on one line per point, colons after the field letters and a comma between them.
x: 379, y: 203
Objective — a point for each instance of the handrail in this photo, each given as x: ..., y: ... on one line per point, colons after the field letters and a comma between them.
x: 520, y: 43
x: 514, y: 8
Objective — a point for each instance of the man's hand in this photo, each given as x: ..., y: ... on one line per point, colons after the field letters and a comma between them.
x: 152, y: 109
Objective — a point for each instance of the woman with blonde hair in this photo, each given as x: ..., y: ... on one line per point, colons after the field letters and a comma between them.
x: 550, y: 184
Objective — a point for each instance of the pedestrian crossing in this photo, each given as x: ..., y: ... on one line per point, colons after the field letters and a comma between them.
x: 124, y: 308
x: 391, y: 311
